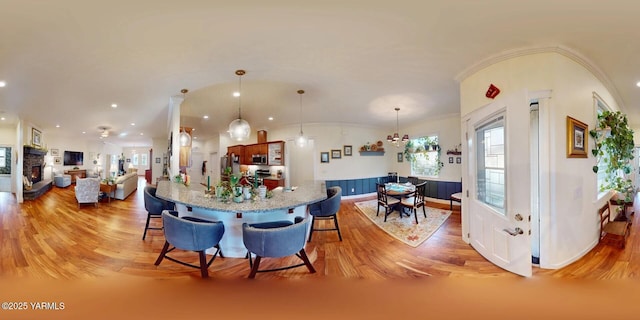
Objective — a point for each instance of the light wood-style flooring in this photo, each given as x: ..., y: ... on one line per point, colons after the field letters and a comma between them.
x: 51, y: 238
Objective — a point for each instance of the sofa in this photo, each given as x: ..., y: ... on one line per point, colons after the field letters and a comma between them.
x: 125, y: 185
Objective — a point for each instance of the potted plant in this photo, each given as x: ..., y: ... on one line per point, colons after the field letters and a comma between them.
x: 613, y: 146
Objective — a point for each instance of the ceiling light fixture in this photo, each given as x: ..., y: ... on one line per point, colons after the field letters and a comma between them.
x: 239, y: 129
x: 3, y: 84
x: 104, y: 133
x: 113, y: 105
x: 638, y: 84
x: 185, y: 137
x: 301, y: 140
x: 395, y: 139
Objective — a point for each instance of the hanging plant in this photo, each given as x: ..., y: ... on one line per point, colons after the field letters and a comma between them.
x: 614, y: 147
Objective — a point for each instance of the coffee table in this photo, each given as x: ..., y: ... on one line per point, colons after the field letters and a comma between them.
x: 108, y: 189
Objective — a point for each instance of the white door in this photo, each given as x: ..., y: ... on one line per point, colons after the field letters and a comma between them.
x: 499, y: 182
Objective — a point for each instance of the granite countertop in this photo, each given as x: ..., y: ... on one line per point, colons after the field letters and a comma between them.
x: 194, y: 196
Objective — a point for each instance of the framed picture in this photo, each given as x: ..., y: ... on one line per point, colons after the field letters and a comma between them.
x: 324, y: 157
x: 399, y: 156
x: 128, y: 159
x: 157, y: 160
x: 576, y: 138
x: 347, y: 151
x: 36, y: 137
x: 458, y: 160
x: 336, y: 154
x: 55, y: 152
x: 450, y: 159
x: 57, y: 160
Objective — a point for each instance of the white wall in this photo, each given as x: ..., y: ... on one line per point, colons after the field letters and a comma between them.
x: 569, y: 228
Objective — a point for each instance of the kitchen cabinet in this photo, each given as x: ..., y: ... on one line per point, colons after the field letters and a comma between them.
x: 273, y: 183
x: 251, y: 149
x: 238, y: 151
x: 275, y: 155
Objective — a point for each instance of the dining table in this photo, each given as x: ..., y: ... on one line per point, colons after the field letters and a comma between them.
x: 400, y: 190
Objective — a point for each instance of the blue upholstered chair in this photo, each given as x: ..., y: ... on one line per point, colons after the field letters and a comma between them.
x: 87, y: 190
x: 275, y: 240
x: 327, y: 210
x: 154, y: 206
x: 62, y: 180
x: 192, y: 234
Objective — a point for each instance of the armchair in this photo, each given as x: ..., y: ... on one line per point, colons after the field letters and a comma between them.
x: 62, y: 180
x: 327, y: 210
x: 87, y: 190
x: 276, y: 239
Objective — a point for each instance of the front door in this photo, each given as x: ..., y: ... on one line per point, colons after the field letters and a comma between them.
x: 499, y: 182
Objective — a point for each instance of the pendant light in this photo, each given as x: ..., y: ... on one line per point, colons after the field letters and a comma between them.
x: 184, y: 138
x: 239, y: 129
x: 301, y: 140
x: 395, y: 139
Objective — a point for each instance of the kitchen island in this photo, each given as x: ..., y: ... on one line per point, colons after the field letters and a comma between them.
x: 284, y: 205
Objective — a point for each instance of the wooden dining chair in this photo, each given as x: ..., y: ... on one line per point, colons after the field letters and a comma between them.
x: 615, y: 232
x: 388, y: 203
x: 416, y: 200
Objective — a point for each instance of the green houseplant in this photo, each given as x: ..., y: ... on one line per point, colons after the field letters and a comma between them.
x: 613, y: 146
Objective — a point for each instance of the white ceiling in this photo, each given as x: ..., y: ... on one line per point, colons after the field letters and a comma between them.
x: 66, y: 61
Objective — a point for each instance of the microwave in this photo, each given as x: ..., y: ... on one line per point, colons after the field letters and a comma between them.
x: 259, y: 159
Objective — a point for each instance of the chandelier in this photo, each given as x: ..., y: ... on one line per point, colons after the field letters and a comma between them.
x: 185, y: 137
x: 239, y: 129
x: 301, y: 141
x: 395, y: 139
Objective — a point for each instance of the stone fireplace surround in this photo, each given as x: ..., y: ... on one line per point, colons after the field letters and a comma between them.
x: 35, y: 158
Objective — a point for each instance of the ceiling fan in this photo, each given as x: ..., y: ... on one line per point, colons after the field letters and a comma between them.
x: 104, y: 132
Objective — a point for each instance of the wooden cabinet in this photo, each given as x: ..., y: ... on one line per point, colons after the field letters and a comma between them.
x: 238, y: 151
x: 254, y: 149
x: 76, y: 174
x: 273, y: 183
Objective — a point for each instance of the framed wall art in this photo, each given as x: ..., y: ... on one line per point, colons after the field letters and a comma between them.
x: 399, y: 156
x: 336, y: 154
x: 577, y: 138
x: 324, y: 157
x: 55, y: 152
x: 36, y: 137
x: 348, y: 151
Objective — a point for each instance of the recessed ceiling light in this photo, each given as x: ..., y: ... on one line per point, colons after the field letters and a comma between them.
x: 113, y: 105
x: 638, y: 83
x: 83, y: 132
x: 270, y: 118
x: 124, y: 134
x: 236, y: 94
x: 133, y: 123
x: 3, y: 84
x: 195, y: 138
x: 205, y: 117
x: 142, y: 134
x: 57, y: 126
x: 3, y: 118
x: 194, y: 129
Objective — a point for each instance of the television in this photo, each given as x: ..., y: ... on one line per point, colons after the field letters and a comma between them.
x: 73, y: 158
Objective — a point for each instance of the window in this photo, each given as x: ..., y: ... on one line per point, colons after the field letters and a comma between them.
x: 144, y: 159
x: 139, y: 159
x: 134, y: 159
x: 491, y: 164
x: 5, y: 160
x: 602, y: 170
x: 425, y: 160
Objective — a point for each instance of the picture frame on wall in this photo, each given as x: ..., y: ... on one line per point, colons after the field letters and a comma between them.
x: 36, y: 137
x: 336, y: 154
x: 348, y: 151
x: 450, y: 159
x: 128, y: 159
x: 57, y: 160
x: 577, y: 138
x: 55, y: 152
x: 324, y: 157
x: 399, y: 157
x: 157, y: 160
x: 458, y: 160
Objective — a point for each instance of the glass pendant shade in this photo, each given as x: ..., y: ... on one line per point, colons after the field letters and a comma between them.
x: 301, y: 141
x: 184, y: 139
x: 239, y: 130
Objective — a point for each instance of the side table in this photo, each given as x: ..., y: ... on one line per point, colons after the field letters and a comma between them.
x: 108, y: 189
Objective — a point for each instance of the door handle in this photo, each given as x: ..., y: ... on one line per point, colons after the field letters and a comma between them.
x: 514, y: 233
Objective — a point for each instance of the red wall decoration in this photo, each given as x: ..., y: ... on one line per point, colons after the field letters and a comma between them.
x: 492, y: 92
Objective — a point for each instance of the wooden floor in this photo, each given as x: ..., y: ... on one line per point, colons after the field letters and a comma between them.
x: 51, y: 238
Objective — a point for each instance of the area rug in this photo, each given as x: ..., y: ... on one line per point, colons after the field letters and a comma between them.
x: 405, y: 229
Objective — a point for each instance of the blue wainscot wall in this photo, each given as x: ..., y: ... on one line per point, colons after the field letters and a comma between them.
x: 435, y: 189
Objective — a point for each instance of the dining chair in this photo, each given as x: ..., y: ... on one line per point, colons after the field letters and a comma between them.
x: 413, y: 180
x: 416, y: 200
x: 615, y: 232
x: 154, y: 207
x: 388, y: 203
x: 191, y: 234
x: 326, y: 210
x: 276, y: 239
x: 392, y: 177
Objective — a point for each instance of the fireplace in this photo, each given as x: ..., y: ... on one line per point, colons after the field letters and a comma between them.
x: 36, y: 174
